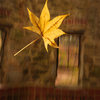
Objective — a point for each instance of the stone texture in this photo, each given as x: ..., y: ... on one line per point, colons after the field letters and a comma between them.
x: 91, y: 47
x: 33, y: 65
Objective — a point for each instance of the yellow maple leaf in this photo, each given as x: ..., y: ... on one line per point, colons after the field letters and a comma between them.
x: 46, y: 28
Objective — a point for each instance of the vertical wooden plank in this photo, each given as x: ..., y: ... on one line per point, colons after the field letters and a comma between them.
x: 32, y: 93
x: 28, y: 93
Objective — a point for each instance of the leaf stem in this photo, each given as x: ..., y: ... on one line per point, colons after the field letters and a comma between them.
x: 26, y: 46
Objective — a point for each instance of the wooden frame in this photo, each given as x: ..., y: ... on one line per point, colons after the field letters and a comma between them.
x: 79, y: 34
x: 5, y: 30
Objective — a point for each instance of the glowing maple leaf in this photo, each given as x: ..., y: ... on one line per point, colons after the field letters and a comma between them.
x: 46, y: 28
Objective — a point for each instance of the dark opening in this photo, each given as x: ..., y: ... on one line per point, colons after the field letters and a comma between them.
x: 2, y: 42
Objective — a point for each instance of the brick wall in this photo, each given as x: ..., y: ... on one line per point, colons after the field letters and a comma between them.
x: 34, y: 65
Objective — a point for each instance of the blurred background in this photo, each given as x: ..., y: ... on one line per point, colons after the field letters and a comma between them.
x: 75, y: 64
